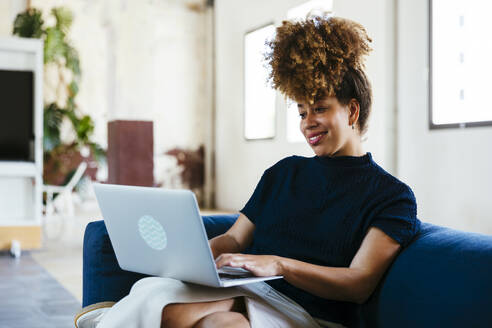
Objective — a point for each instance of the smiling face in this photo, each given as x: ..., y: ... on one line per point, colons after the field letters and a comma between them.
x: 327, y: 127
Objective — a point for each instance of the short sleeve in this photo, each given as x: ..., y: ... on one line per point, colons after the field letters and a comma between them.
x: 398, y: 218
x: 257, y: 202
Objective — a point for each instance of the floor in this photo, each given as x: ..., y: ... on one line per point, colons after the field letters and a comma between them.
x: 31, y: 297
x: 61, y: 254
x: 54, y: 272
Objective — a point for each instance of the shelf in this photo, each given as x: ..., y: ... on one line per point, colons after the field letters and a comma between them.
x: 18, y: 169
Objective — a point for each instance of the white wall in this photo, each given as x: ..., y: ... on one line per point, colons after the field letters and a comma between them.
x: 240, y: 163
x: 449, y: 169
x: 8, y: 12
x: 378, y: 17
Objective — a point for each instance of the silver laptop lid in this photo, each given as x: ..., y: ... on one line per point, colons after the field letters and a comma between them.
x: 157, y: 232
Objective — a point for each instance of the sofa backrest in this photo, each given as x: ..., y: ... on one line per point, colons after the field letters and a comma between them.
x: 442, y: 279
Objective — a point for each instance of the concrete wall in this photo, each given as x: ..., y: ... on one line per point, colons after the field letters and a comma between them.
x: 449, y: 169
x: 240, y: 163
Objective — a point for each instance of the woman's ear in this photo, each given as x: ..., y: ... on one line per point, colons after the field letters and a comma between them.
x: 354, y: 109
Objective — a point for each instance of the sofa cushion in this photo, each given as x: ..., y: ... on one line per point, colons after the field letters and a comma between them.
x: 443, y: 279
x: 218, y: 224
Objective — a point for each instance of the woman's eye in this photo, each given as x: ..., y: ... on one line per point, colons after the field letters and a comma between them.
x: 316, y: 110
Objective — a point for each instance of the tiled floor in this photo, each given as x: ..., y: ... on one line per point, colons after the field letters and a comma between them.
x: 31, y: 297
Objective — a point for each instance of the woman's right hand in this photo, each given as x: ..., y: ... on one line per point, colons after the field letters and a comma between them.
x: 235, y: 240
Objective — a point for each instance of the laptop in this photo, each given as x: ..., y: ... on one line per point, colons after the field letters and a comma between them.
x: 160, y: 232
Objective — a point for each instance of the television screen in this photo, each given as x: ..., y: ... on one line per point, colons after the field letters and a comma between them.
x: 16, y: 120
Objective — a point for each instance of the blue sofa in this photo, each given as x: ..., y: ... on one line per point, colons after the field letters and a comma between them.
x: 442, y: 279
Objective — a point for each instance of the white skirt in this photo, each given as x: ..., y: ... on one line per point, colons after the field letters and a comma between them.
x: 265, y: 306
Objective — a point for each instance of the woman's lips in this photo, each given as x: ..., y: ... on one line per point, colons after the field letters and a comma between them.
x: 315, y: 140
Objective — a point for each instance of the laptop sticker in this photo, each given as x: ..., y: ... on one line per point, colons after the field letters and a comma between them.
x: 152, y: 232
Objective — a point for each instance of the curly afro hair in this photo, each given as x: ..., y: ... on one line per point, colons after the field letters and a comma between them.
x: 309, y: 58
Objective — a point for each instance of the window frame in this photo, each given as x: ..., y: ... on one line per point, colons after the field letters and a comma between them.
x: 432, y: 125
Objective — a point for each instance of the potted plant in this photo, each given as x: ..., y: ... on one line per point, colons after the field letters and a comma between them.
x: 61, y: 159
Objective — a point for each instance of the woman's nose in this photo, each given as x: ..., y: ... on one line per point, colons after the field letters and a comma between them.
x: 310, y: 119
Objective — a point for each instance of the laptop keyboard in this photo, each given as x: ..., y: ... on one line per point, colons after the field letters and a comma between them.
x: 231, y: 273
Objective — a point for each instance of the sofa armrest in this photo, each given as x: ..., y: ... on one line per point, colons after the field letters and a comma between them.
x: 103, y: 279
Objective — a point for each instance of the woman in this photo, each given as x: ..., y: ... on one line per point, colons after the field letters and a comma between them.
x: 330, y: 224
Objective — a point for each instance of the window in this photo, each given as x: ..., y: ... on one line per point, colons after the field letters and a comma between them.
x: 460, y: 47
x: 315, y: 7
x: 259, y: 97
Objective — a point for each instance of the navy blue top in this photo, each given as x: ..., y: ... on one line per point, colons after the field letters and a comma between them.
x: 318, y: 210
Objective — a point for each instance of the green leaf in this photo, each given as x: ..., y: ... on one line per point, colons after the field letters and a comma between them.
x: 74, y: 88
x: 97, y: 151
x: 53, y: 116
x: 51, y: 140
x: 84, y: 129
x: 54, y: 46
x: 72, y: 60
x: 64, y: 18
x: 71, y: 103
x: 29, y: 24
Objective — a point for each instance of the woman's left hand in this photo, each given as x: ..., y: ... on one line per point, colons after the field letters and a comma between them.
x: 259, y: 265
